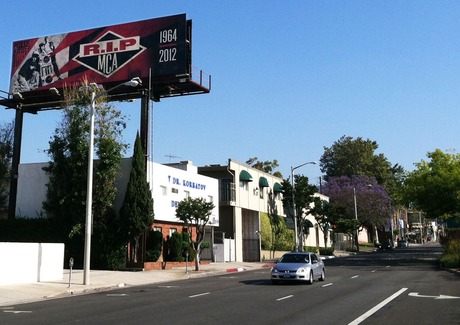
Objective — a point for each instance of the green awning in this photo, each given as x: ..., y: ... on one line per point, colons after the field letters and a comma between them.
x: 245, y: 176
x: 307, y: 223
x: 278, y: 188
x: 263, y: 182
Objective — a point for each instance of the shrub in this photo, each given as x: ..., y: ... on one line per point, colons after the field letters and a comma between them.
x: 328, y: 251
x: 152, y: 255
x: 451, y: 255
x: 175, y: 247
x: 310, y: 249
x: 117, y: 258
x: 154, y: 241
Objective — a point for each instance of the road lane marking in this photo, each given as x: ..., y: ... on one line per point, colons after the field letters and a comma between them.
x: 116, y: 294
x: 354, y: 276
x: 415, y: 294
x: 327, y: 285
x: 376, y: 308
x: 200, y: 294
x: 18, y: 311
x: 168, y: 287
x: 287, y: 297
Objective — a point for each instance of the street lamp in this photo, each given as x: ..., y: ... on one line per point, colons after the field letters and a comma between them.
x: 356, y: 215
x: 293, y: 202
x: 89, y: 191
x: 356, y: 210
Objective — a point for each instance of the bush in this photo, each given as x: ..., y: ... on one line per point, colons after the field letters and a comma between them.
x: 310, y: 249
x: 451, y: 255
x: 154, y: 242
x: 116, y: 259
x: 152, y: 255
x: 175, y: 247
x: 328, y: 251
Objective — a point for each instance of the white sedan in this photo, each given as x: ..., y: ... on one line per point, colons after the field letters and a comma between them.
x: 298, y: 266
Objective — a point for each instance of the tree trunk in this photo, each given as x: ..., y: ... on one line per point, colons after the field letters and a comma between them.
x: 197, y: 259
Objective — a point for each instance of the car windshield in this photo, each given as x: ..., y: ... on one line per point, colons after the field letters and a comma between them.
x: 294, y: 258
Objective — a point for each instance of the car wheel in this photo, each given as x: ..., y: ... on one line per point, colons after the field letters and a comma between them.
x: 323, y: 275
x: 310, y: 279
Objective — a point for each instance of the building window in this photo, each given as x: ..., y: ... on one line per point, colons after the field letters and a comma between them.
x: 172, y: 231
x: 261, y: 192
x: 157, y: 229
x: 187, y: 194
x: 164, y: 190
x: 210, y: 198
x: 174, y: 190
x: 244, y: 185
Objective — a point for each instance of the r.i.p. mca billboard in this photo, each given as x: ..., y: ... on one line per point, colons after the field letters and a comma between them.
x: 154, y: 49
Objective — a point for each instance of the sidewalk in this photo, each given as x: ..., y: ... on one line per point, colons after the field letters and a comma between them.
x: 105, y: 280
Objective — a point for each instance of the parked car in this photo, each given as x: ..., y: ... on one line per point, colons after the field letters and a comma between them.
x: 298, y: 266
x: 387, y: 245
x: 403, y: 243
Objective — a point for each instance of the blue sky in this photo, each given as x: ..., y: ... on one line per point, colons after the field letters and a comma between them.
x: 288, y: 77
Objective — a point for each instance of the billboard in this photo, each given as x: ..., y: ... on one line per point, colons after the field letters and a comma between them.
x: 160, y: 48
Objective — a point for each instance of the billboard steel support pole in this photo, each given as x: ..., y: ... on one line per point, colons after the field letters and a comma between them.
x: 15, y: 163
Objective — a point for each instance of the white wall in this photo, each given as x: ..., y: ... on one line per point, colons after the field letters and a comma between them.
x: 170, y: 185
x: 30, y: 262
x: 250, y: 198
x: 32, y: 188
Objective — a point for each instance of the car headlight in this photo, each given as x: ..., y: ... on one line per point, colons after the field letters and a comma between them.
x: 274, y: 270
x: 301, y: 270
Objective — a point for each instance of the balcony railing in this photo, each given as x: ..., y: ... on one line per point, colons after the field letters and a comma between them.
x: 227, y: 193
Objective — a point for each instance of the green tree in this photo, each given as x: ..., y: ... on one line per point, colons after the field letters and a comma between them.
x: 265, y: 166
x: 136, y: 213
x: 195, y: 212
x: 372, y: 208
x: 303, y: 196
x: 276, y: 224
x: 323, y: 213
x: 357, y: 157
x: 6, y: 153
x: 68, y: 166
x: 434, y: 186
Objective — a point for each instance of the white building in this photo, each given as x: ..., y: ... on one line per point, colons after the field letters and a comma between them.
x: 244, y: 194
x: 240, y: 194
x: 169, y: 185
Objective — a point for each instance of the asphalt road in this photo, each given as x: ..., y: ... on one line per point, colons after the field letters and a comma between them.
x: 402, y: 286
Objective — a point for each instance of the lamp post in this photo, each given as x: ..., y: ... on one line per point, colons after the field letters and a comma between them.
x: 356, y: 215
x: 89, y: 191
x: 296, y: 237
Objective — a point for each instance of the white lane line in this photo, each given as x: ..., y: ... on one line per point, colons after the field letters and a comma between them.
x: 376, y: 308
x: 168, y: 287
x: 200, y: 294
x: 282, y: 298
x: 327, y: 285
x: 18, y: 311
x: 354, y: 276
x: 116, y: 294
